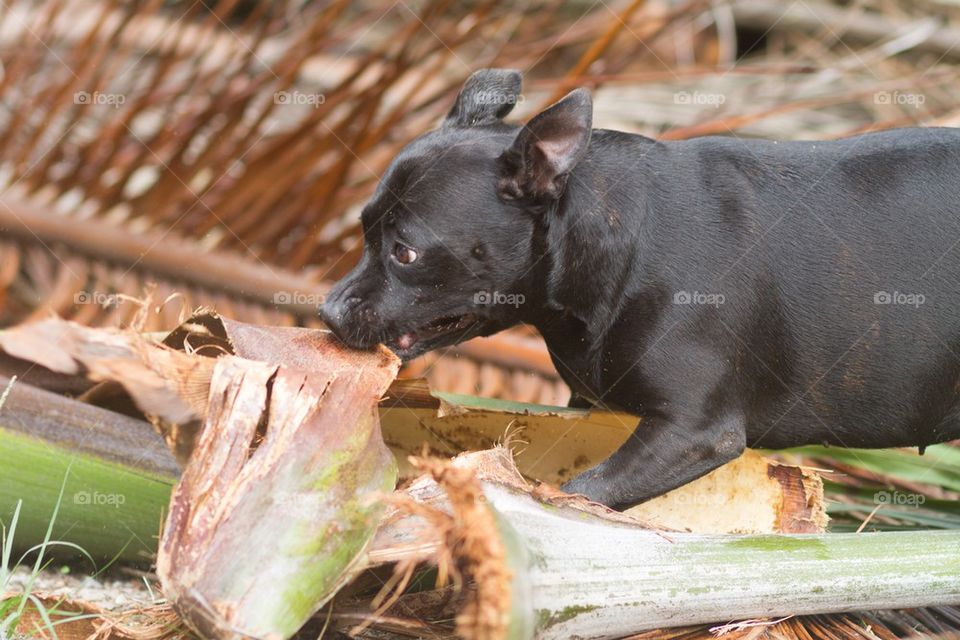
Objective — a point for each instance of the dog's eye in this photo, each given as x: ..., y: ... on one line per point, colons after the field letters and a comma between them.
x: 404, y: 254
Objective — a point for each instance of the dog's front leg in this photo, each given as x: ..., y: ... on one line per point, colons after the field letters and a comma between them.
x: 664, y: 452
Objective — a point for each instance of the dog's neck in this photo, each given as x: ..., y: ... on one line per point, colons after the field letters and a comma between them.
x: 593, y: 240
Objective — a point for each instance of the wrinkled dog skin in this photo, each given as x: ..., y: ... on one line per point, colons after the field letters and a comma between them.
x: 732, y: 292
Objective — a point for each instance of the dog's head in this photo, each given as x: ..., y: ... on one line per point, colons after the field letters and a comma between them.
x: 450, y: 234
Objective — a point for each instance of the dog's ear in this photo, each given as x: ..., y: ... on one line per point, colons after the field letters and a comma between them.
x: 487, y: 96
x: 535, y: 168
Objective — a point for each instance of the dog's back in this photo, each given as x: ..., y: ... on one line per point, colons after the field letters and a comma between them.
x: 839, y: 267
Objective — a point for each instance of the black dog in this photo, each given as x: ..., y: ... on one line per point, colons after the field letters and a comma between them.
x: 732, y: 292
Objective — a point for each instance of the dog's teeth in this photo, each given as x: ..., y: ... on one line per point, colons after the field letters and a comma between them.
x: 406, y: 341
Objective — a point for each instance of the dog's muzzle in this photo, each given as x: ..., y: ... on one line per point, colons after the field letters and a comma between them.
x: 339, y: 312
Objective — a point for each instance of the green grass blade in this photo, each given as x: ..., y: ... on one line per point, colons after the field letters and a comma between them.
x: 59, y: 543
x: 38, y: 566
x: 8, y: 543
x: 42, y: 611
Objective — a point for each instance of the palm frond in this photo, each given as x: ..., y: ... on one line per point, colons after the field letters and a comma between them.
x: 888, y: 489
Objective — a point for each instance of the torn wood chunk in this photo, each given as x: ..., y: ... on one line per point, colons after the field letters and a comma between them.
x: 280, y: 496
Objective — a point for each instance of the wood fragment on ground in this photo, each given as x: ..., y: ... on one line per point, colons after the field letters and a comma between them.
x: 279, y: 495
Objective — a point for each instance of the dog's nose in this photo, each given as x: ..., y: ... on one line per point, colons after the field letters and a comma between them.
x: 327, y: 313
x: 334, y: 311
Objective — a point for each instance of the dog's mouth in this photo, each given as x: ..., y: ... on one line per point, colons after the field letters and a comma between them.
x: 426, y: 337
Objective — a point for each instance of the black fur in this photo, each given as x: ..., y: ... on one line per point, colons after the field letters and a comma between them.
x: 732, y: 292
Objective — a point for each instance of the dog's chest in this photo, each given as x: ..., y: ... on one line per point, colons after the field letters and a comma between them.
x: 585, y: 364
